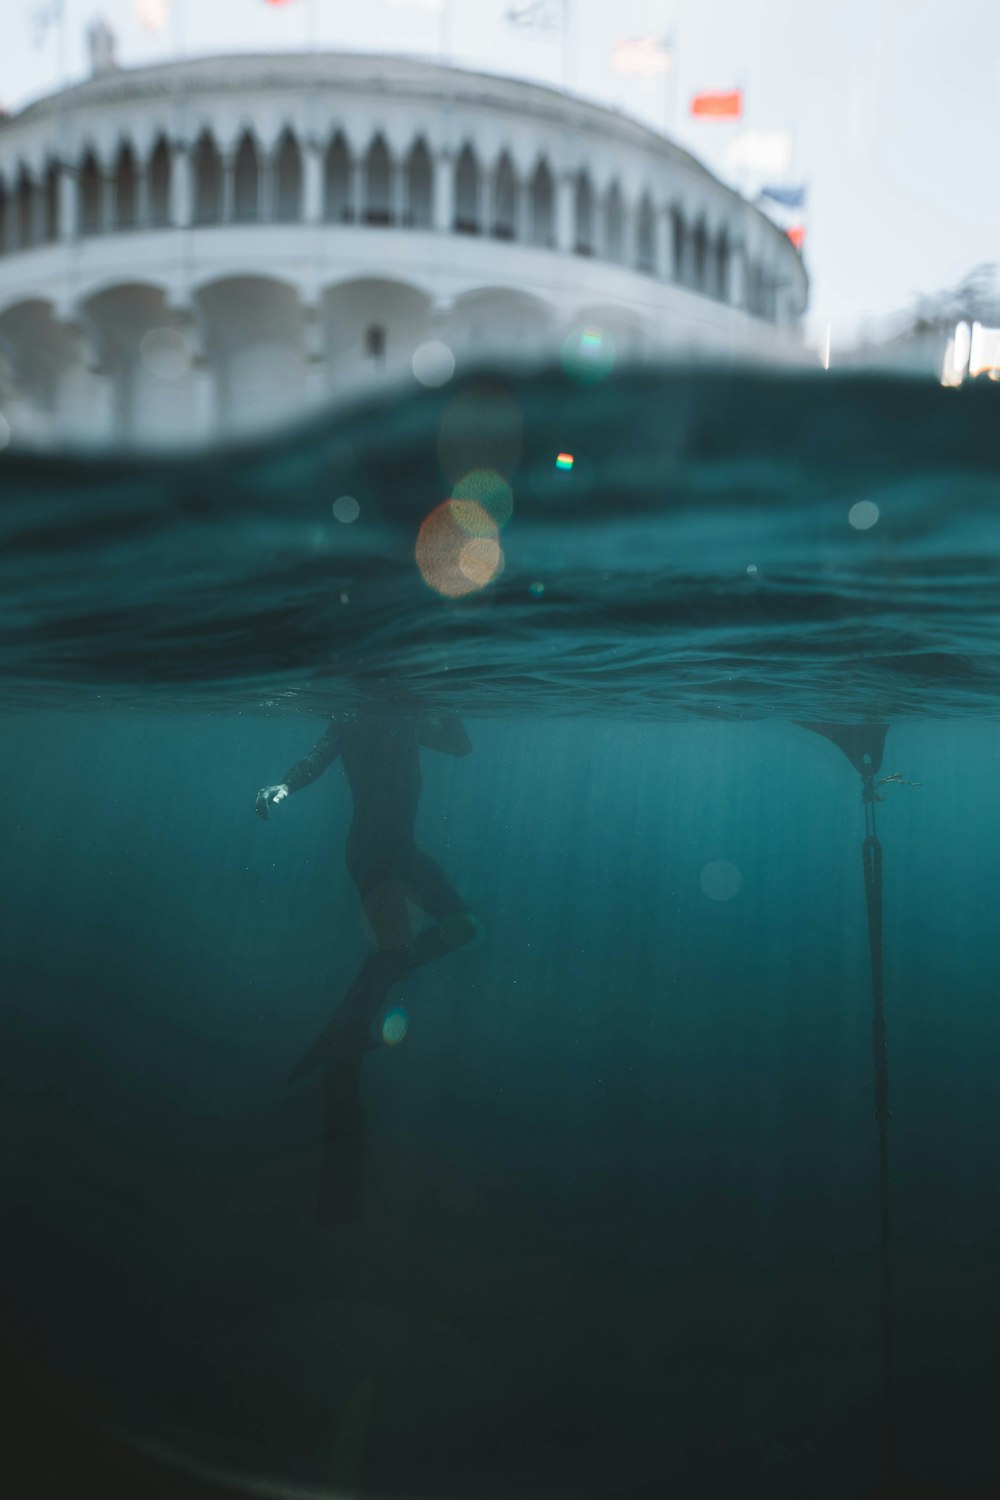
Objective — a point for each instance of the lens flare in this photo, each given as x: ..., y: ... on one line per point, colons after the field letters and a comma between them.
x: 488, y: 489
x: 346, y: 509
x: 720, y: 880
x: 863, y: 515
x: 458, y: 549
x: 394, y: 1027
x: 564, y: 462
x: 588, y: 355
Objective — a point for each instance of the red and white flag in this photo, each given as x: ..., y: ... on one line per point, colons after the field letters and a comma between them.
x: 718, y: 106
x: 642, y: 56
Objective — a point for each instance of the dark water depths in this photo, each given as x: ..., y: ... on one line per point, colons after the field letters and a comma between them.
x: 621, y: 1227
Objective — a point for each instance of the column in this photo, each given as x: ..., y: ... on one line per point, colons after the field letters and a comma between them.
x: 355, y: 190
x: 736, y: 291
x: 444, y: 192
x: 107, y: 209
x: 630, y: 238
x: 665, y: 268
x: 565, y: 204
x: 312, y: 183
x: 69, y: 203
x: 181, y: 194
x: 142, y: 214
x: 483, y: 200
x: 228, y: 186
x: 397, y: 191
x: 522, y: 218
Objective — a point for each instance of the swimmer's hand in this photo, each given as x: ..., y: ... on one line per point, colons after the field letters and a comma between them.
x: 270, y: 796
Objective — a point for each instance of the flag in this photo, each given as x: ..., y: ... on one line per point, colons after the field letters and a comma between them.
x: 535, y: 15
x: 44, y: 16
x: 788, y: 197
x: 713, y: 106
x: 797, y: 235
x: 642, y: 55
x: 153, y: 14
x: 767, y: 152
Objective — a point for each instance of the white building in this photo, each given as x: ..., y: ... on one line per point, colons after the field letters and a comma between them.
x: 211, y: 244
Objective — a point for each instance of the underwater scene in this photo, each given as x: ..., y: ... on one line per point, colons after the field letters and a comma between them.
x: 500, y: 990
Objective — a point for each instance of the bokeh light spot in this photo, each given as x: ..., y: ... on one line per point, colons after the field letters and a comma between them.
x: 588, y: 355
x: 433, y: 363
x: 752, y: 570
x: 564, y: 462
x: 488, y: 489
x: 458, y: 548
x: 863, y: 515
x: 394, y: 1027
x: 346, y: 509
x: 536, y: 589
x: 720, y: 880
x: 479, y: 560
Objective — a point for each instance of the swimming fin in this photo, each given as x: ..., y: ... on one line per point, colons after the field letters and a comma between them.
x: 342, y: 1175
x: 348, y: 1035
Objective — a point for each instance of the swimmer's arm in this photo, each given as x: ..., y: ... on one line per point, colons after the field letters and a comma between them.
x: 446, y: 733
x: 306, y: 770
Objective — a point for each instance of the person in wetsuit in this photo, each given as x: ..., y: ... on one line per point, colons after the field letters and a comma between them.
x: 381, y: 756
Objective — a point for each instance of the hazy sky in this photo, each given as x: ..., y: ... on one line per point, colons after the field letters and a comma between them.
x: 892, y: 104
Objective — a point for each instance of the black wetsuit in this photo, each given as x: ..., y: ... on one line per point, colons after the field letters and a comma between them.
x: 381, y: 756
x: 382, y: 760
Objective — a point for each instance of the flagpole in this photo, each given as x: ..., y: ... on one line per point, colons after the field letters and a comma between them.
x: 445, y: 34
x: 61, y: 46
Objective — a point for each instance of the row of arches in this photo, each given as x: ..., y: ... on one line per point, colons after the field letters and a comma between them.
x: 203, y: 186
x: 131, y: 366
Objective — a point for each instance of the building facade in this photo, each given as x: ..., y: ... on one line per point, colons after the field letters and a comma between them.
x: 213, y: 244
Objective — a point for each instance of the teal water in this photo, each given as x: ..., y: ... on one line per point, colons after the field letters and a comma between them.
x: 620, y: 1233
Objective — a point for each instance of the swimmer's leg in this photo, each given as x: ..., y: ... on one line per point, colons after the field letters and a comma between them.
x: 348, y: 1036
x: 455, y: 925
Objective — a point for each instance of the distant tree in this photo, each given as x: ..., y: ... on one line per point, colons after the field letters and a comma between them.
x: 976, y: 299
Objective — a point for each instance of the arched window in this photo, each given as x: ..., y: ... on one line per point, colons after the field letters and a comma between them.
x: 467, y: 193
x: 286, y: 207
x: 25, y: 211
x: 504, y: 200
x: 90, y: 195
x: 246, y: 182
x: 613, y: 215
x: 679, y: 236
x: 419, y: 209
x: 337, y: 208
x: 378, y: 183
x: 159, y: 185
x: 542, y: 207
x: 583, y: 213
x: 126, y: 190
x: 699, y: 256
x: 50, y: 206
x: 207, y: 167
x: 645, y: 237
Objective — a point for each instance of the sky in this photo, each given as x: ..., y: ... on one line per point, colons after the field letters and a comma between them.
x: 891, y: 104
